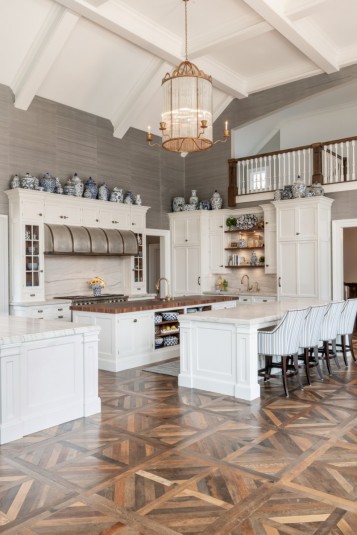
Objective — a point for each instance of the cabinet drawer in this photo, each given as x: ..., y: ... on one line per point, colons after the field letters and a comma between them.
x: 62, y: 215
x: 33, y: 210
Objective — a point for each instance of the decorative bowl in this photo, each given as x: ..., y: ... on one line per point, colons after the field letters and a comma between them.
x: 170, y: 316
x: 171, y: 341
x: 159, y: 341
x: 158, y: 318
x: 31, y: 250
x: 31, y: 266
x: 189, y: 207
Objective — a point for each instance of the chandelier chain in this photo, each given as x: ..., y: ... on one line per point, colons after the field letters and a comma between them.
x: 186, y: 26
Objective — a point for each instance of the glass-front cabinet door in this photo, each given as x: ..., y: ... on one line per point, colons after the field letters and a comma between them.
x: 138, y: 266
x: 32, y: 263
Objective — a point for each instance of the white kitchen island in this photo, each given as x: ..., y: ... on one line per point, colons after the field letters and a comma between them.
x: 218, y: 349
x: 48, y: 374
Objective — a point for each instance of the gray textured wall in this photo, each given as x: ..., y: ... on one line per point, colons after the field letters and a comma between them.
x: 209, y: 171
x: 62, y: 140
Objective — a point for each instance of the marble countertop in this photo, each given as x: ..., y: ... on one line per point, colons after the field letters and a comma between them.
x: 16, y: 330
x: 60, y: 301
x: 251, y: 314
x: 237, y: 293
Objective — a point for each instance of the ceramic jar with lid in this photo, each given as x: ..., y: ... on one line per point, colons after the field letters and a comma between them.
x: 138, y: 200
x: 317, y: 190
x: 178, y: 204
x: 48, y: 182
x: 29, y: 182
x: 15, y: 182
x: 129, y: 198
x: 103, y: 192
x: 298, y: 188
x: 68, y: 188
x: 117, y: 195
x: 216, y: 201
x: 90, y: 189
x: 78, y: 185
x: 59, y: 188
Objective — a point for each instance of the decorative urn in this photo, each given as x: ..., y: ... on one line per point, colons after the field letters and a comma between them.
x: 48, y: 182
x: 216, y: 201
x: 178, y: 204
x: 117, y: 195
x: 78, y: 185
x: 103, y: 192
x: 90, y: 187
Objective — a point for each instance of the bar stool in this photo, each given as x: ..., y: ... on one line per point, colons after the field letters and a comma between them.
x: 282, y: 341
x: 345, y: 328
x: 328, y: 333
x: 309, y: 339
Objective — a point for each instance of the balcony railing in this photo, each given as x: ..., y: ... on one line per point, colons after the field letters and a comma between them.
x: 330, y: 162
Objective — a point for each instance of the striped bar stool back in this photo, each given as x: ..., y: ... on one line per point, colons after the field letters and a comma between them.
x: 280, y: 343
x: 328, y: 333
x: 310, y: 337
x: 345, y: 327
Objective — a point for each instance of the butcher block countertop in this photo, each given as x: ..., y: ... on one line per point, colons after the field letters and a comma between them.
x: 152, y: 304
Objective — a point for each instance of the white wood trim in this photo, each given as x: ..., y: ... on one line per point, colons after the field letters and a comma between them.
x: 337, y: 255
x: 4, y: 265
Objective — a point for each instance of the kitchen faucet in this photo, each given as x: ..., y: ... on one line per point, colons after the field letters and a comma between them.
x: 157, y: 286
x: 248, y: 287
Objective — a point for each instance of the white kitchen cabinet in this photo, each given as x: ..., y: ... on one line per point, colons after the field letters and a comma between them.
x: 137, y: 218
x: 216, y: 243
x: 111, y: 218
x: 33, y: 209
x: 304, y: 247
x: 135, y: 334
x: 270, y: 253
x: 60, y: 213
x: 42, y: 311
x: 185, y: 228
x: 138, y: 266
x: 186, y: 277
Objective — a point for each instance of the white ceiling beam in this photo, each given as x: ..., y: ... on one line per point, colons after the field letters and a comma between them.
x: 97, y: 3
x: 208, y: 43
x: 313, y: 46
x: 141, y: 31
x: 138, y: 99
x: 297, y: 10
x: 224, y: 79
x: 39, y: 59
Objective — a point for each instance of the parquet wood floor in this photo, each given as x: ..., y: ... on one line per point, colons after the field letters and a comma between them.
x: 163, y: 460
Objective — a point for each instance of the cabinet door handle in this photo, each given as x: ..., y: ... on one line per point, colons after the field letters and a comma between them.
x: 266, y: 265
x: 40, y: 311
x: 40, y: 214
x: 279, y: 282
x: 298, y: 233
x: 97, y: 220
x: 199, y: 281
x: 135, y: 320
x: 186, y: 240
x: 133, y: 223
x: 60, y: 317
x: 41, y: 270
x: 265, y: 300
x: 267, y: 222
x: 32, y: 295
x: 59, y: 309
x: 221, y: 265
x: 220, y: 226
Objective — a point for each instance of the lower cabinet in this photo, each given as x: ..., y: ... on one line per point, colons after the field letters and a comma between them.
x: 43, y: 312
x: 186, y: 270
x: 134, y: 334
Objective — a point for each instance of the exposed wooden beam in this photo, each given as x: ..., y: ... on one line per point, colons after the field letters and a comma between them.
x: 302, y: 35
x: 139, y: 98
x: 40, y: 57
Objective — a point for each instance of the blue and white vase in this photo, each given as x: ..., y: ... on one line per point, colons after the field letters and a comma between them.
x: 194, y: 198
x: 137, y: 200
x: 253, y: 259
x: 103, y: 192
x: 97, y: 291
x: 117, y: 195
x: 68, y: 188
x: 129, y: 198
x: 15, y: 182
x: 48, y: 183
x: 216, y: 201
x: 204, y: 205
x: 78, y: 185
x: 90, y: 187
x: 28, y: 181
x: 59, y: 188
x: 178, y: 204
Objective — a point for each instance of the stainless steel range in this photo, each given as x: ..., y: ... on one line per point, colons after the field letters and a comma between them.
x: 90, y: 299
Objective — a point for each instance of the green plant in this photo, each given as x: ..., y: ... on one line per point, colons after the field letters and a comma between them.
x: 262, y: 259
x: 231, y: 221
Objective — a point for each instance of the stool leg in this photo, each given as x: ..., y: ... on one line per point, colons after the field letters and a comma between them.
x: 296, y: 366
x: 316, y: 358
x: 344, y: 349
x: 351, y: 347
x: 334, y: 353
x: 307, y: 365
x: 283, y: 367
x: 327, y: 356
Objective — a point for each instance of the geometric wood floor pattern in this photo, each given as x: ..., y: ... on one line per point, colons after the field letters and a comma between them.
x: 163, y: 460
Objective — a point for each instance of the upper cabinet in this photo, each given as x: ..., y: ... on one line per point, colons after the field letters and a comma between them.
x: 269, y: 238
x: 185, y: 229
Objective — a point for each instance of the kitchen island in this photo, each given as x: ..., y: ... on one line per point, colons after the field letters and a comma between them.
x: 130, y: 330
x: 48, y: 373
x: 219, y: 348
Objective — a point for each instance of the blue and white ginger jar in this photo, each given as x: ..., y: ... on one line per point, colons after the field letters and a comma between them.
x: 90, y: 187
x: 103, y: 192
x: 29, y: 182
x: 48, y: 183
x: 68, y: 188
x: 178, y: 204
x: 117, y: 195
x: 216, y: 201
x: 129, y: 198
x: 15, y: 182
x: 78, y: 185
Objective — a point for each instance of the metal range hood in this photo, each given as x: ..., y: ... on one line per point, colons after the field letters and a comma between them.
x: 68, y: 240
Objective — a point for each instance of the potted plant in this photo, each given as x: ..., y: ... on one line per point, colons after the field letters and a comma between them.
x: 97, y: 283
x: 231, y: 222
x: 261, y: 259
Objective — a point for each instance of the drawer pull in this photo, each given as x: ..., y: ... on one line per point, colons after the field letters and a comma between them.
x: 265, y: 300
x: 32, y: 295
x: 59, y: 309
x: 40, y: 311
x: 135, y: 320
x: 60, y: 317
x: 40, y: 214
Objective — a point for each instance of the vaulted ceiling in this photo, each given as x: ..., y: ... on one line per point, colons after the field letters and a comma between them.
x: 107, y: 57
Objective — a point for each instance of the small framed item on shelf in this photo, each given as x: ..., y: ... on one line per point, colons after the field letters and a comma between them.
x: 234, y: 244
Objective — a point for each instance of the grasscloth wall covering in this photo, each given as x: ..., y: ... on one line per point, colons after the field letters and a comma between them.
x: 62, y: 140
